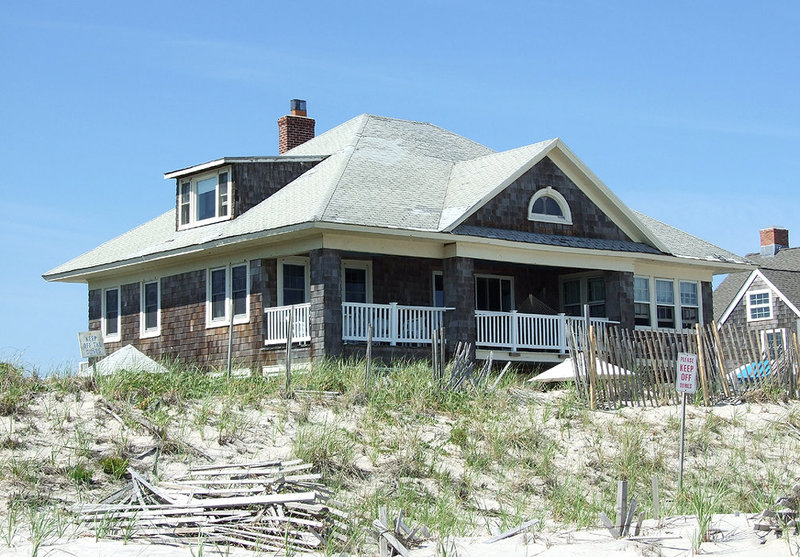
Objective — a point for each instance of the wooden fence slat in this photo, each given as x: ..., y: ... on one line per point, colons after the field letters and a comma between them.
x: 720, y: 359
x: 796, y: 363
x: 702, y: 363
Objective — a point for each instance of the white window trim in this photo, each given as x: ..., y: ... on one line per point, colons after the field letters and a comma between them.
x: 434, y: 274
x: 750, y: 293
x: 143, y: 333
x: 504, y: 277
x: 764, y: 334
x: 583, y: 289
x: 649, y: 302
x: 245, y: 318
x: 355, y: 264
x: 559, y: 199
x: 676, y: 296
x: 698, y: 290
x: 304, y: 261
x: 193, y: 222
x: 118, y: 336
x: 676, y: 318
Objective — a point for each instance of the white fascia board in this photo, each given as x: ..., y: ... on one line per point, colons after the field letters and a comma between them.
x: 622, y: 215
x: 84, y: 274
x: 444, y: 238
x: 779, y: 293
x: 746, y: 286
x: 502, y: 185
x: 716, y: 267
x: 633, y: 227
x: 230, y: 160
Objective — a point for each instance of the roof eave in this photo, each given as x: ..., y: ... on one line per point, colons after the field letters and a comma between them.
x: 83, y: 274
x: 210, y: 165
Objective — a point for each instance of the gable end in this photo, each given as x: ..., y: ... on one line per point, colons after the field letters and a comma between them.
x: 509, y: 209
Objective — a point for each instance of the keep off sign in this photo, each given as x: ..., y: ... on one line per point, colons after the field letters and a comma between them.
x: 92, y: 344
x: 687, y: 373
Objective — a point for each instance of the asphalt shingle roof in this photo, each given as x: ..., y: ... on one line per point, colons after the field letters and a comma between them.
x: 376, y: 172
x: 683, y: 244
x: 781, y: 269
x: 555, y: 240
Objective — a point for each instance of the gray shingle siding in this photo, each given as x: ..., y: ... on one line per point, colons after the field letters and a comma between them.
x: 510, y: 207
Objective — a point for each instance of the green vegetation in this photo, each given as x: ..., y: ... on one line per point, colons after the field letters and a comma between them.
x: 114, y: 466
x: 453, y: 461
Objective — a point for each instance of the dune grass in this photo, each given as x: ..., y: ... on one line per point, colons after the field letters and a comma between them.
x: 457, y: 462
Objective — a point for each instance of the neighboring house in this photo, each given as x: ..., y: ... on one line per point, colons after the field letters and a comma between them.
x: 398, y: 224
x: 765, y: 299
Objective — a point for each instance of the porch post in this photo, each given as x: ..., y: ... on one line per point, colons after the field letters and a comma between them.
x: 562, y: 333
x: 619, y: 297
x: 459, y: 293
x: 394, y: 324
x: 514, y: 330
x: 326, y: 303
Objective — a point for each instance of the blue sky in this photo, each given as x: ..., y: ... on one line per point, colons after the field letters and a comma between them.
x: 688, y: 111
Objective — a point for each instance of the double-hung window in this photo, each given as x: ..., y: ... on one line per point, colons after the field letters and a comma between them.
x: 759, y: 305
x: 150, y: 322
x: 773, y: 342
x: 572, y: 297
x: 293, y: 281
x: 596, y: 296
x: 228, y: 291
x: 690, y: 304
x: 575, y: 292
x: 437, y: 283
x: 111, y: 310
x: 493, y: 293
x: 665, y: 304
x: 641, y: 301
x: 357, y: 281
x: 205, y: 198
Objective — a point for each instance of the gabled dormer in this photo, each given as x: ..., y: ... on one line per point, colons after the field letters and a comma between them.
x: 225, y: 188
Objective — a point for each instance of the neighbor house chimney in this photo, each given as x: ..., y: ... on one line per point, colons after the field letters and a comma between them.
x: 295, y: 128
x: 773, y: 240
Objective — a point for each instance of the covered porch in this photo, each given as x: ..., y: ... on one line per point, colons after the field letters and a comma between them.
x: 524, y: 336
x: 517, y: 311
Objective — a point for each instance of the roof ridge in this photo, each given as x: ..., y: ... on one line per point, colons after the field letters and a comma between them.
x: 358, y: 135
x: 432, y: 125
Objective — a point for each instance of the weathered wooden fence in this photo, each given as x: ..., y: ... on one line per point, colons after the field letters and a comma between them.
x: 638, y: 367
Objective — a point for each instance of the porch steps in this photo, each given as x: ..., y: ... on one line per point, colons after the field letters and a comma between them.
x: 280, y: 368
x: 527, y: 357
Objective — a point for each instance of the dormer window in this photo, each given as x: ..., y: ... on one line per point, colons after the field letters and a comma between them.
x: 547, y: 205
x: 205, y: 198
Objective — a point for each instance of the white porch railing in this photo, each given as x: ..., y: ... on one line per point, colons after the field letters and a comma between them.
x: 512, y: 330
x: 275, y: 320
x: 391, y: 323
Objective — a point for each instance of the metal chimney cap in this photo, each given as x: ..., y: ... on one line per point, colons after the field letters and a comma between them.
x: 297, y: 107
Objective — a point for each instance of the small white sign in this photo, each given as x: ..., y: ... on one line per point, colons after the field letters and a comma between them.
x: 687, y: 373
x: 92, y: 344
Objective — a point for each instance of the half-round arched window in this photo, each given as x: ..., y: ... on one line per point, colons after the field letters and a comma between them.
x: 547, y: 205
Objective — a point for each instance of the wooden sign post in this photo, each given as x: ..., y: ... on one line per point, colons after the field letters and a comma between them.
x: 686, y: 383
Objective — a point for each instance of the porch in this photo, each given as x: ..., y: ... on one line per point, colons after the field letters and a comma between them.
x: 522, y: 336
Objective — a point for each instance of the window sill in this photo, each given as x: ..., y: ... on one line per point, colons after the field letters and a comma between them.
x: 227, y: 323
x: 114, y: 338
x: 553, y: 220
x: 196, y: 224
x: 150, y: 334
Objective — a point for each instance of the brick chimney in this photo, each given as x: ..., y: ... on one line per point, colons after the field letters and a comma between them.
x: 295, y: 128
x: 773, y: 240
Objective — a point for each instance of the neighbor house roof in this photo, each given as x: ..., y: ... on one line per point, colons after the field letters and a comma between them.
x: 782, y: 270
x: 380, y: 172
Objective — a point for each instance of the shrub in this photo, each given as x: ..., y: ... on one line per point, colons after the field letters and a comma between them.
x: 115, y: 466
